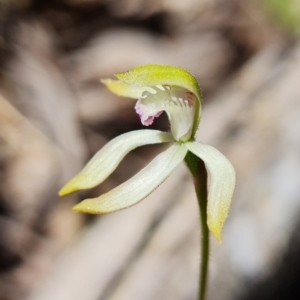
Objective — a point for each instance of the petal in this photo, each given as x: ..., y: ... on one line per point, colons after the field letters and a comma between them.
x: 122, y: 89
x: 139, y: 186
x: 108, y: 158
x: 222, y: 184
x: 155, y: 75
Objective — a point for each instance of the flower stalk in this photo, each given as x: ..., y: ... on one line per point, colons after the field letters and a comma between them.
x: 197, y: 169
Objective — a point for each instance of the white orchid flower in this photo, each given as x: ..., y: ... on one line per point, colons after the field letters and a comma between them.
x: 157, y: 89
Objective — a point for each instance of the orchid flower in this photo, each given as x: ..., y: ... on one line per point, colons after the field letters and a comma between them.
x: 157, y: 89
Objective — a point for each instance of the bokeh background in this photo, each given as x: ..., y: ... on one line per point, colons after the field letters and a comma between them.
x: 55, y: 114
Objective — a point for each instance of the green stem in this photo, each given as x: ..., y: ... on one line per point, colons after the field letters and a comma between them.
x: 198, y: 171
x: 202, y: 200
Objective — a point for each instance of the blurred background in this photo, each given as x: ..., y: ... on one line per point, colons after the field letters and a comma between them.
x: 55, y: 114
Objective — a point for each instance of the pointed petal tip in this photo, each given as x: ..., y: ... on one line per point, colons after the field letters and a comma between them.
x: 216, y: 231
x: 66, y: 190
x: 62, y: 193
x: 76, y: 209
x: 72, y: 186
x: 94, y: 207
x: 79, y: 208
x: 82, y: 207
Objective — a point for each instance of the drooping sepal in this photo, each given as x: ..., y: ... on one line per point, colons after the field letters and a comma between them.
x: 221, y: 185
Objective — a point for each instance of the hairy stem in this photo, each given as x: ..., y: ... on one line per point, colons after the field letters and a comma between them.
x: 198, y: 171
